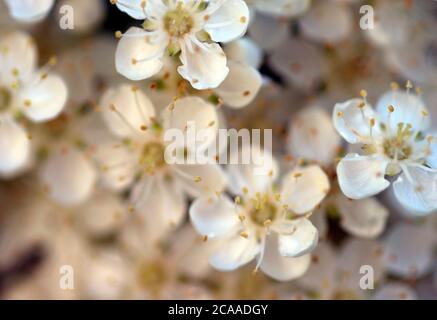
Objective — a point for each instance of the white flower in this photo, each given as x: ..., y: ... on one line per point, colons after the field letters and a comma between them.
x: 262, y: 223
x: 192, y: 27
x: 313, y: 138
x: 24, y: 90
x: 394, y: 142
x: 280, y: 8
x: 29, y: 10
x: 395, y: 291
x: 138, y: 157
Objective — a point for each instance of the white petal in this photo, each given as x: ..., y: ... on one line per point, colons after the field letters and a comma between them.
x: 418, y: 191
x: 214, y: 216
x: 192, y: 114
x: 136, y: 58
x: 234, y: 252
x: 299, y: 62
x: 432, y: 158
x: 327, y: 21
x: 69, y: 177
x: 304, y: 188
x: 355, y: 254
x: 281, y: 8
x: 203, y: 64
x: 240, y: 86
x: 244, y: 50
x: 14, y: 146
x: 269, y: 32
x: 198, y: 180
x: 163, y: 208
x: 408, y: 108
x: 257, y: 175
x: 321, y: 275
x: 133, y: 109
x: 362, y: 218
x: 45, y: 99
x: 395, y: 291
x: 229, y: 22
x: 313, y: 136
x: 133, y: 8
x: 409, y: 250
x: 18, y: 53
x: 118, y: 165
x: 353, y: 122
x: 282, y: 268
x: 362, y: 176
x: 29, y: 10
x: 300, y: 237
x: 101, y: 215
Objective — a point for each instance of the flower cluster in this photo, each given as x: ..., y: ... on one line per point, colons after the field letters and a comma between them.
x: 291, y: 198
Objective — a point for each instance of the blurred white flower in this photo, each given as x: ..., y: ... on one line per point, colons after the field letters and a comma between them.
x: 394, y: 142
x: 191, y: 27
x: 313, y: 138
x: 38, y: 95
x: 262, y: 223
x: 160, y: 189
x: 29, y: 10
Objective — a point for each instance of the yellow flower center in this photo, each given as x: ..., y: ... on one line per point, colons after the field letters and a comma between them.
x: 152, y: 156
x: 178, y: 22
x: 5, y: 98
x: 152, y: 275
x: 263, y: 210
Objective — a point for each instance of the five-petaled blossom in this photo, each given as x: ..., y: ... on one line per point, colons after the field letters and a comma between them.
x: 24, y: 90
x: 191, y: 27
x: 394, y: 143
x: 263, y: 222
x: 138, y: 157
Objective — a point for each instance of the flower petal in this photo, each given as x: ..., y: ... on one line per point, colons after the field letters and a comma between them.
x: 282, y: 268
x: 118, y: 165
x: 126, y: 110
x: 14, y: 146
x: 409, y: 250
x: 395, y: 291
x: 214, y: 216
x: 241, y: 85
x: 313, y: 136
x: 362, y: 218
x: 228, y: 22
x: 234, y: 252
x: 352, y: 120
x: 244, y: 50
x: 203, y: 64
x: 304, y: 188
x: 134, y: 8
x: 192, y: 113
x: 18, y: 52
x: 29, y: 10
x: 327, y: 21
x: 362, y: 176
x: 416, y: 189
x: 136, y: 58
x: 283, y: 8
x: 301, y: 238
x: 408, y: 108
x: 44, y: 100
x: 257, y: 175
x: 69, y: 177
x: 198, y: 180
x: 268, y: 32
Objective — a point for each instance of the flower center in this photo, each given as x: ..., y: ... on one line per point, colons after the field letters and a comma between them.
x: 263, y: 211
x: 178, y: 22
x: 398, y: 147
x: 5, y: 99
x: 152, y: 156
x: 152, y: 275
